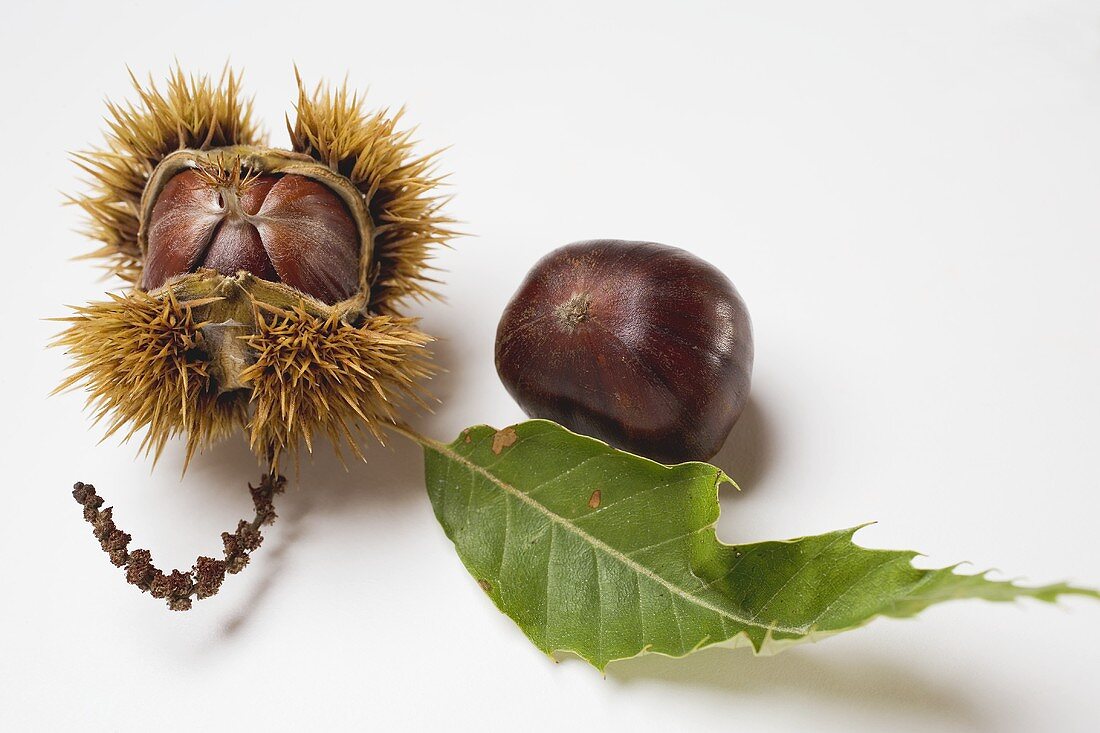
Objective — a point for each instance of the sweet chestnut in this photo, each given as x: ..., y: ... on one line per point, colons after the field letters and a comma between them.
x: 281, y: 228
x: 639, y: 344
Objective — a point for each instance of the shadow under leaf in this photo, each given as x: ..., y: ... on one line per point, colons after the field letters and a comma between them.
x: 856, y: 683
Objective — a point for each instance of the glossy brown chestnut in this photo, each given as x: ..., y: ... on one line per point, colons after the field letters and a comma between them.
x: 639, y: 344
x: 282, y: 228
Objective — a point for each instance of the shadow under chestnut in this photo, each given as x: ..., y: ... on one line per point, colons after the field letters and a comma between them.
x: 750, y: 449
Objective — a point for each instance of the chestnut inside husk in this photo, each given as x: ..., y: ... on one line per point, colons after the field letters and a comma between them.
x: 642, y: 345
x: 281, y: 217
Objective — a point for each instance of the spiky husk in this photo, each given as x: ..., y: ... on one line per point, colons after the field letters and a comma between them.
x: 140, y: 359
x: 399, y: 186
x: 318, y: 371
x: 193, y: 112
x: 321, y: 376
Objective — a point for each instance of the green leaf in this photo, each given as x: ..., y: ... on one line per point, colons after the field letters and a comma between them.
x: 608, y: 555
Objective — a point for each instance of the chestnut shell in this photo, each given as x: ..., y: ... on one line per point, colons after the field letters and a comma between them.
x: 639, y: 344
x: 280, y: 228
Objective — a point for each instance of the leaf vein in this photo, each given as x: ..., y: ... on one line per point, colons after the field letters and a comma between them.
x: 813, y: 622
x: 584, y: 536
x: 796, y: 573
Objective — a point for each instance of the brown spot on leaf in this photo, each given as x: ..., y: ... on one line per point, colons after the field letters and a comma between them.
x: 502, y: 439
x: 594, y: 500
x: 485, y: 585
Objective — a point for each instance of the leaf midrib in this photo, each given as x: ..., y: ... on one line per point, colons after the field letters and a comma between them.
x: 606, y: 548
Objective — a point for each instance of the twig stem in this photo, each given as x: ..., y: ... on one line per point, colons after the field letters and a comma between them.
x: 408, y: 432
x: 205, y: 577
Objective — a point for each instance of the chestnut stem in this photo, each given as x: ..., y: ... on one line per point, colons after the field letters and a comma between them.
x: 408, y: 432
x: 205, y: 578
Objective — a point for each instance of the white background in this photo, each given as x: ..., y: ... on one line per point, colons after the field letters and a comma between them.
x: 906, y: 195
